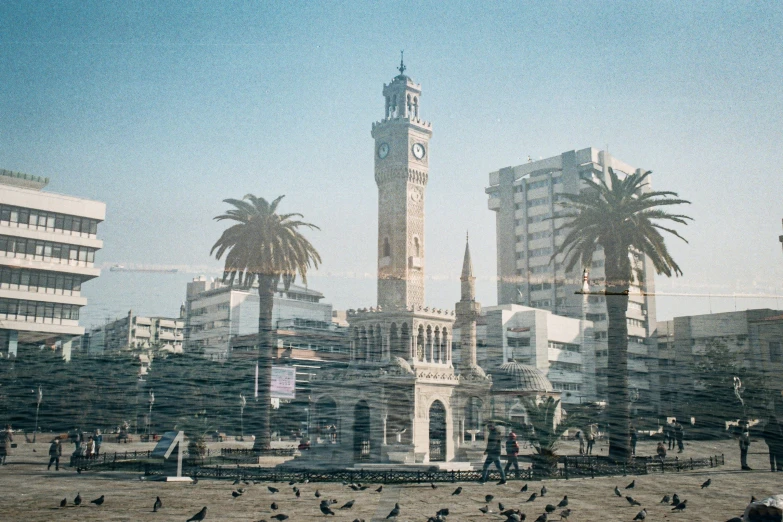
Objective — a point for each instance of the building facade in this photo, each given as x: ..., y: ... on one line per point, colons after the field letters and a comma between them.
x: 216, y: 313
x: 755, y: 336
x: 138, y: 333
x: 562, y: 348
x: 525, y: 201
x: 48, y: 244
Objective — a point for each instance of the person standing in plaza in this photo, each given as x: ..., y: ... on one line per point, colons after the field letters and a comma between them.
x: 55, y: 452
x: 668, y: 435
x: 98, y: 441
x: 590, y: 440
x: 493, y: 454
x: 6, y: 438
x: 744, y: 444
x: 634, y: 439
x: 512, y: 450
x: 773, y: 436
x: 581, y: 440
x: 679, y: 436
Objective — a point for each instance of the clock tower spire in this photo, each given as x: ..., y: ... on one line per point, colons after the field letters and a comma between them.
x: 401, y: 172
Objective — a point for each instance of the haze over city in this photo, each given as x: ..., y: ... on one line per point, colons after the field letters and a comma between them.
x: 163, y: 111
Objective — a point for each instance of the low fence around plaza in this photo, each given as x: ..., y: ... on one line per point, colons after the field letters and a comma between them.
x: 228, y: 465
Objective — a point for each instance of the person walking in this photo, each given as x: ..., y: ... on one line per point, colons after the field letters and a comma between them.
x: 634, y: 439
x: 493, y: 454
x: 744, y: 445
x: 90, y: 449
x: 98, y: 442
x: 590, y: 440
x: 773, y: 436
x: 581, y: 440
x: 55, y: 452
x: 6, y: 438
x: 679, y: 435
x: 512, y: 450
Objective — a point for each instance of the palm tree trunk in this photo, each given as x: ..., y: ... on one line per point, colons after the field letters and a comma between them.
x: 618, y: 408
x: 267, y: 285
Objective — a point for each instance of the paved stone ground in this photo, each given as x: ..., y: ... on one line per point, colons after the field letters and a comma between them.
x: 30, y: 493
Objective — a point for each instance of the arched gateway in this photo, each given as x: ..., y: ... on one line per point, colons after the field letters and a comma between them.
x: 437, y: 432
x: 361, y: 431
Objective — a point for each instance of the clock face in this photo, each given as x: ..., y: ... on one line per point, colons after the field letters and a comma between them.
x: 383, y: 150
x: 418, y: 150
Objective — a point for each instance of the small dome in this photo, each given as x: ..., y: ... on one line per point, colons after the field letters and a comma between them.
x: 513, y: 376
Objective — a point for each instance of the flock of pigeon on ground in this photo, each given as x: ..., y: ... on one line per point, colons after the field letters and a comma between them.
x: 512, y: 515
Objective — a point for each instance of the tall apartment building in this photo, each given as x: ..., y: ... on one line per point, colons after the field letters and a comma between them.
x: 524, y: 199
x: 47, y: 251
x: 216, y: 313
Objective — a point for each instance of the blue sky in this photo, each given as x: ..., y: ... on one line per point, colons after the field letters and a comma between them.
x: 163, y: 109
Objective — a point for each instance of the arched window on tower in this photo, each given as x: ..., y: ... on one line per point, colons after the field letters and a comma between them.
x: 409, y: 106
x: 388, y: 107
x: 415, y: 106
x: 416, y: 247
x: 386, y: 247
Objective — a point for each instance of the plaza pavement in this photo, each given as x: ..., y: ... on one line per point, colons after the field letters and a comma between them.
x: 31, y: 493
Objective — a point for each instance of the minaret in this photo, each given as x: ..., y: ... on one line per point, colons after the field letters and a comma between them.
x: 468, y: 311
x: 401, y: 173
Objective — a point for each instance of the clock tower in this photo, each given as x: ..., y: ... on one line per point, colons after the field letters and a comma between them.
x: 401, y: 171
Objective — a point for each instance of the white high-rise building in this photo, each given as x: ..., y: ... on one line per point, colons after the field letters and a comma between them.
x: 524, y: 199
x: 47, y: 251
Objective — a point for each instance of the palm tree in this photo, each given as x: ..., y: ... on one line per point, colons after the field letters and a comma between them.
x: 264, y: 247
x: 621, y: 216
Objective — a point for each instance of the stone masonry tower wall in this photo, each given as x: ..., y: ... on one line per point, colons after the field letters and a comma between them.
x: 401, y: 172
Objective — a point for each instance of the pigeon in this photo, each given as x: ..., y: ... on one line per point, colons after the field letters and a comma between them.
x: 298, y: 493
x: 706, y: 483
x: 633, y: 501
x: 241, y: 490
x: 524, y: 488
x: 380, y: 488
x: 348, y: 505
x: 675, y: 500
x: 195, y: 481
x: 394, y: 512
x: 543, y: 491
x: 317, y: 494
x: 641, y: 515
x: 666, y: 499
x: 201, y: 515
x: 550, y: 508
x: 274, y: 506
x: 157, y: 505
x: 532, y: 497
x: 617, y: 491
x: 631, y: 485
x: 98, y: 501
x: 680, y: 506
x: 501, y: 507
x: 64, y: 502
x: 362, y: 488
x: 565, y: 514
x: 563, y: 503
x: 236, y: 494
x: 325, y: 509
x: 432, y: 484
x: 272, y: 490
x: 509, y: 512
x: 484, y: 509
x: 280, y: 516
x: 488, y: 498
x: 354, y: 487
x: 541, y: 518
x: 514, y: 517
x: 442, y: 512
x: 457, y: 491
x: 78, y: 500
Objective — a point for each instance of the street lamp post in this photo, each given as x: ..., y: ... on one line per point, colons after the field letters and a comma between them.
x: 37, y: 407
x: 242, y: 403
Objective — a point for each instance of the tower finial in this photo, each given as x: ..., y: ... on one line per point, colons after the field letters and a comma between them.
x: 402, y: 67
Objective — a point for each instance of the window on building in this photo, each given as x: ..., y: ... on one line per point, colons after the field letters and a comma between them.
x: 775, y: 352
x: 596, y: 317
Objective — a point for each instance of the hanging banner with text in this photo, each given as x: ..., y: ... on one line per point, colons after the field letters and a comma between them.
x: 283, y: 382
